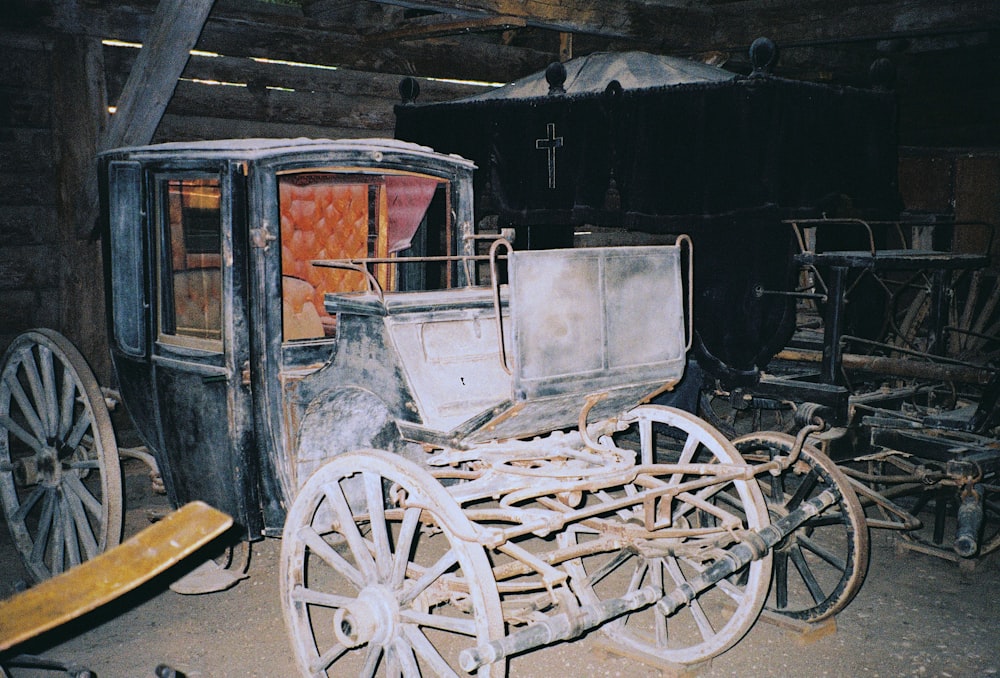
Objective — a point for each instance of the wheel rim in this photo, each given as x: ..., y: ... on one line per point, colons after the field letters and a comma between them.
x: 819, y: 568
x: 60, y: 479
x: 352, y: 604
x: 719, y: 616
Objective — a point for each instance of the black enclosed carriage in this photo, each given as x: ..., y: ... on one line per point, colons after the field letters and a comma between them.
x: 815, y: 294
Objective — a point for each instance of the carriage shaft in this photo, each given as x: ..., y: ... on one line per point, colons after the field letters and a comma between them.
x: 755, y: 545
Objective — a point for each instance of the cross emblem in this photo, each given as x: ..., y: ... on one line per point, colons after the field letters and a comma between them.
x: 549, y: 144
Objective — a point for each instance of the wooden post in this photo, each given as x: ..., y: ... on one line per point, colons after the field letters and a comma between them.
x: 150, y: 85
x: 79, y: 115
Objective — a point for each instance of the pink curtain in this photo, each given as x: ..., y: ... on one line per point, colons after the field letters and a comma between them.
x: 408, y: 199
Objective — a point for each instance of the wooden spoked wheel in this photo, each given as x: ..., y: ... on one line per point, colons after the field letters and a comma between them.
x: 972, y: 320
x: 375, y: 579
x: 818, y: 568
x: 60, y: 478
x: 718, y: 617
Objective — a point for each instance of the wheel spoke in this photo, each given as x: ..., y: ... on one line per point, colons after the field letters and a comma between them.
x: 730, y: 589
x: 781, y: 579
x: 595, y: 575
x: 27, y: 407
x: 321, y: 663
x: 58, y: 540
x: 79, y: 429
x: 808, y: 578
x: 373, y: 654
x: 697, y: 612
x: 660, y: 631
x: 29, y: 439
x: 72, y: 548
x: 806, y: 486
x: 38, y: 395
x: 691, y: 445
x: 427, y: 652
x: 334, y: 493
x: 49, y: 390
x: 29, y: 503
x: 90, y: 502
x: 403, y: 653
x: 309, y: 596
x: 68, y: 403
x: 826, y: 554
x: 382, y: 551
x: 328, y: 555
x: 45, y: 522
x: 463, y: 625
x: 83, y: 529
x: 443, y: 564
x: 407, y: 533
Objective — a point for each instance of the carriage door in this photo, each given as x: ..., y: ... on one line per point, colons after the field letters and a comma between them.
x: 200, y: 354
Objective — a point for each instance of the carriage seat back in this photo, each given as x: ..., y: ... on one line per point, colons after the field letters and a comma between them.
x: 590, y: 319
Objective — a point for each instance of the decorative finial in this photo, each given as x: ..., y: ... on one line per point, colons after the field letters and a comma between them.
x: 409, y: 90
x: 763, y: 56
x: 555, y: 75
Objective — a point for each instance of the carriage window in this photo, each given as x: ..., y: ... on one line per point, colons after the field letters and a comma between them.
x: 353, y: 218
x: 190, y: 261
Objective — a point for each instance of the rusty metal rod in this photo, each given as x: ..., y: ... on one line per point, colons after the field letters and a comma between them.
x: 897, y: 367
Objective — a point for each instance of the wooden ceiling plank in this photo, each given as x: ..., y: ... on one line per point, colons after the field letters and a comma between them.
x: 172, y: 35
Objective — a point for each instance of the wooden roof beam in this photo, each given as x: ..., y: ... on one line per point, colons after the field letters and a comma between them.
x: 624, y: 19
x: 436, y: 27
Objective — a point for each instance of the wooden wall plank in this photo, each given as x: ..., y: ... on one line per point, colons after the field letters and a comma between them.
x: 262, y: 75
x: 27, y: 225
x: 194, y: 128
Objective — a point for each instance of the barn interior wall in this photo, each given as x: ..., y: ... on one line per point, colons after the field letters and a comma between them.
x: 963, y: 184
x: 29, y: 282
x: 50, y: 268
x: 51, y: 115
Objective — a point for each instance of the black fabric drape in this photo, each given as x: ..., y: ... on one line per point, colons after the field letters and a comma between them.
x: 733, y: 146
x: 724, y: 162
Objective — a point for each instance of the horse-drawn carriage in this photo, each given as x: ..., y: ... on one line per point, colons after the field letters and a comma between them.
x: 457, y: 440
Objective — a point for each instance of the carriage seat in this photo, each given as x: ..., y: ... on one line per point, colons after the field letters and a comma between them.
x: 198, y: 302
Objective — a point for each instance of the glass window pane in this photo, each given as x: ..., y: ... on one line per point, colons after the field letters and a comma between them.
x: 191, y: 261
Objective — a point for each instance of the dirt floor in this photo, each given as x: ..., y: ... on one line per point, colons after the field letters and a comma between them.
x: 915, y: 616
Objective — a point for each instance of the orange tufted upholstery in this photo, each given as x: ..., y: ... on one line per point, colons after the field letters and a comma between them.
x: 320, y: 219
